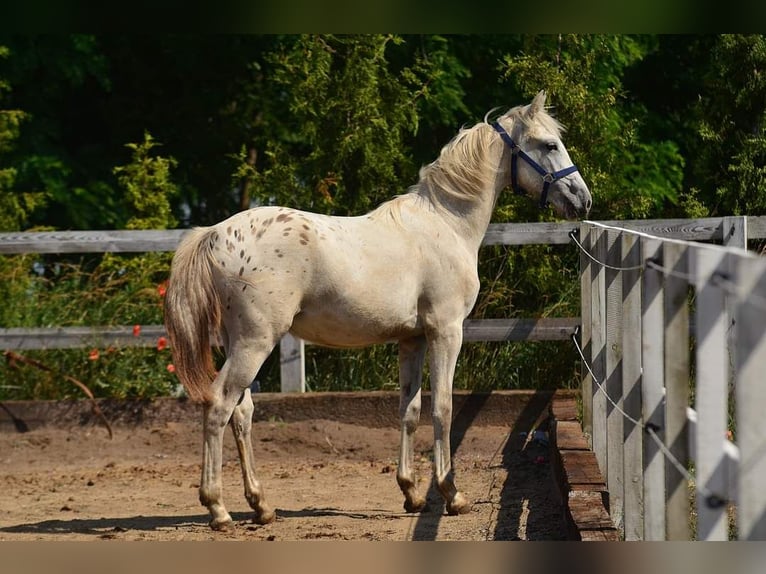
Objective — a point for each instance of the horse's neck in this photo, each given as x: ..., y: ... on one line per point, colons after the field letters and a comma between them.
x: 469, y: 217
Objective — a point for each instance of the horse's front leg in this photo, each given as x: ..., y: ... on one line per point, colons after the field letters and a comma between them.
x: 444, y: 347
x: 411, y: 355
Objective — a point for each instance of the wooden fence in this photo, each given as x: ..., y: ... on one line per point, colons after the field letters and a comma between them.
x: 292, y: 361
x: 292, y: 350
x: 668, y: 324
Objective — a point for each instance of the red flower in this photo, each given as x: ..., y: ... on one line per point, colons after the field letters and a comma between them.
x: 93, y: 355
x: 162, y: 288
x: 136, y: 330
x: 162, y: 343
x: 171, y: 368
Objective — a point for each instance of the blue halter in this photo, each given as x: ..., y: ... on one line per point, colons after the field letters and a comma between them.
x: 548, y: 177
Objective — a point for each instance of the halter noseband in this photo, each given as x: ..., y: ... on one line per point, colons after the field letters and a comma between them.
x: 547, y: 176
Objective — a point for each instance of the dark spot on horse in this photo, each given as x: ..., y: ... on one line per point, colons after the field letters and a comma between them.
x: 241, y: 271
x: 285, y: 234
x: 228, y: 230
x: 249, y: 257
x: 281, y: 217
x: 280, y: 255
x: 306, y: 227
x: 223, y: 263
x: 228, y: 307
x: 260, y: 233
x: 243, y: 288
x: 242, y: 254
x: 304, y: 242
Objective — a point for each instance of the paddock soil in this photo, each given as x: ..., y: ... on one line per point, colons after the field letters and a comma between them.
x: 63, y: 478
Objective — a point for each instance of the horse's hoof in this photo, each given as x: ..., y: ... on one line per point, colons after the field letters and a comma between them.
x: 458, y: 505
x: 222, y: 525
x: 417, y: 505
x: 265, y: 517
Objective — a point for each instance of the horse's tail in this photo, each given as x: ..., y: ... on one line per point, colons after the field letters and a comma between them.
x: 193, y: 312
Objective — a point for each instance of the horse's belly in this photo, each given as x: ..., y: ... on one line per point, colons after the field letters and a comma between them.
x: 330, y: 330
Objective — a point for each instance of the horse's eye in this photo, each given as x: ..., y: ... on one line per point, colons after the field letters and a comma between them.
x: 552, y: 146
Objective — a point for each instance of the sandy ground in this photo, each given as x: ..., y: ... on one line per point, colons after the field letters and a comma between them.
x: 328, y: 481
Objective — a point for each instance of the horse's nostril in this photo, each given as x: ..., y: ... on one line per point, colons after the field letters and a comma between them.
x: 588, y: 204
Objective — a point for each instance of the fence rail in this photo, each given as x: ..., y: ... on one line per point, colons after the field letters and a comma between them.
x: 640, y: 295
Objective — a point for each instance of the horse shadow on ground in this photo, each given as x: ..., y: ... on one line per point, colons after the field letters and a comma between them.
x: 520, y: 499
x: 103, y: 527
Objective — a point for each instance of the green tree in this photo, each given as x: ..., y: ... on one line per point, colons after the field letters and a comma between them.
x: 15, y: 207
x: 343, y: 116
x: 148, y: 188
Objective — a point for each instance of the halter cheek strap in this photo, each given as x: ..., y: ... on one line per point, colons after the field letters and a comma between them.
x: 547, y: 176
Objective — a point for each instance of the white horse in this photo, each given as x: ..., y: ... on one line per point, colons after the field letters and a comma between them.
x: 406, y: 271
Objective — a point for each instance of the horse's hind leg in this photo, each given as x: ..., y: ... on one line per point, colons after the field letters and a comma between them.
x: 241, y: 425
x: 236, y: 374
x: 411, y: 355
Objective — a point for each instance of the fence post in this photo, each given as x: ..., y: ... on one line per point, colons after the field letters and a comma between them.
x: 734, y: 231
x: 711, y: 393
x: 292, y: 364
x: 653, y: 385
x: 586, y: 282
x: 675, y: 262
x: 613, y: 358
x: 598, y: 347
x: 631, y: 386
x: 751, y: 397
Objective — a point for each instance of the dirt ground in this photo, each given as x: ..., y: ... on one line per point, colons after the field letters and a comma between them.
x: 329, y: 480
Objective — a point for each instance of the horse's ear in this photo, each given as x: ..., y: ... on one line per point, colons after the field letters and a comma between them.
x: 537, y: 105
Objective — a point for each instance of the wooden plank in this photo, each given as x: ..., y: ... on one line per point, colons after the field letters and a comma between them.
x: 565, y: 408
x: 675, y: 262
x: 586, y: 281
x: 653, y: 388
x: 545, y: 329
x: 529, y: 233
x: 588, y: 512
x: 292, y: 361
x: 756, y: 227
x: 581, y: 470
x: 615, y: 470
x: 711, y: 395
x: 21, y: 339
x: 631, y: 388
x: 475, y: 330
x: 598, y: 347
x: 109, y: 241
x: 751, y: 397
x: 569, y: 436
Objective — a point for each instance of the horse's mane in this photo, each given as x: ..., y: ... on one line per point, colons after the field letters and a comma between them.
x: 464, y: 166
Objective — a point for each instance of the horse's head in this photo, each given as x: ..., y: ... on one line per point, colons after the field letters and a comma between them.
x: 540, y: 164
